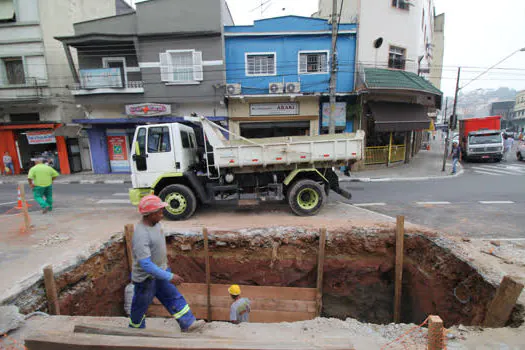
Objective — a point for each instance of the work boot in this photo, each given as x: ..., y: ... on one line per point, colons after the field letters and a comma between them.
x: 45, y: 210
x: 195, y: 326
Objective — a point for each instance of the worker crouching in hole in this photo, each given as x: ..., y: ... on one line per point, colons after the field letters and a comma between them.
x: 240, y: 308
x: 150, y: 273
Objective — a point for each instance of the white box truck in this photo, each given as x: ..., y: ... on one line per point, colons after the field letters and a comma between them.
x: 167, y: 160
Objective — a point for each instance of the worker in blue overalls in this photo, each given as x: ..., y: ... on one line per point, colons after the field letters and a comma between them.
x: 150, y: 273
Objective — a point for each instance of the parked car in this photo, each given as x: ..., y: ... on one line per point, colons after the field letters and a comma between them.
x: 520, y: 152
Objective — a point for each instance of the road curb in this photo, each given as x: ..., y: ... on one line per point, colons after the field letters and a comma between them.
x: 399, y: 179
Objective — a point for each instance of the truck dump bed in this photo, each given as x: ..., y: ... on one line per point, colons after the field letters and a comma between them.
x: 244, y: 152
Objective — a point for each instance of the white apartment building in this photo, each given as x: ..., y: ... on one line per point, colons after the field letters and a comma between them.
x: 34, y: 75
x: 394, y: 34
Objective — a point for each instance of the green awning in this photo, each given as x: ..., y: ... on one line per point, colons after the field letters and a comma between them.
x: 375, y: 78
x: 7, y: 10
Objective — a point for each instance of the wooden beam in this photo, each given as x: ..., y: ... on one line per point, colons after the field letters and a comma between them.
x: 400, y: 237
x: 25, y: 211
x: 51, y: 291
x: 128, y: 233
x: 501, y: 306
x: 252, y: 292
x: 124, y: 332
x: 208, y: 273
x: 320, y: 271
x: 435, y: 333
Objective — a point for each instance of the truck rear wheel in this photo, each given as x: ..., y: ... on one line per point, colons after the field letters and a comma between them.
x: 306, y: 197
x: 181, y: 202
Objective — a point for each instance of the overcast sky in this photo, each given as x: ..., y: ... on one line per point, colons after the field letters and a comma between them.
x: 478, y: 34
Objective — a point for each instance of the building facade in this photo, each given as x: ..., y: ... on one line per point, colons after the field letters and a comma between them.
x: 505, y: 109
x: 157, y: 64
x: 438, y: 50
x: 278, y: 74
x: 34, y: 73
x: 519, y: 112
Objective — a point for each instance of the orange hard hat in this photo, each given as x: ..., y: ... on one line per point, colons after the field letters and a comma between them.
x: 150, y: 204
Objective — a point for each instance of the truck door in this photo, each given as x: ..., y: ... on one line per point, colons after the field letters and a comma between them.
x: 154, y: 143
x: 186, y: 155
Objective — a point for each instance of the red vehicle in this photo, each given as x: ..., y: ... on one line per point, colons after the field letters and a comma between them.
x: 480, y: 138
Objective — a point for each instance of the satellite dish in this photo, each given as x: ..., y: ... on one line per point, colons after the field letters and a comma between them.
x: 378, y: 42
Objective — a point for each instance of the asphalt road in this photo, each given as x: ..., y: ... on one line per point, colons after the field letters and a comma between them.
x: 483, y: 203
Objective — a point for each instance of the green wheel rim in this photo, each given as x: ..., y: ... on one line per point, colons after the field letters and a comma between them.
x: 177, y: 203
x: 307, y: 198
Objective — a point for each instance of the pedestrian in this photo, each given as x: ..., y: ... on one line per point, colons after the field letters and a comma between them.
x: 240, y: 308
x: 40, y: 178
x: 150, y: 273
x: 8, y: 164
x: 456, y: 156
x: 507, y: 146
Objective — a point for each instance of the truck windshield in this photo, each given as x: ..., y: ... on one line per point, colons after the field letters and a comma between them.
x: 483, y: 139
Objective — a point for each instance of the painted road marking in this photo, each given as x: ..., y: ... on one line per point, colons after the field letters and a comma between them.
x: 487, y: 173
x: 506, y: 167
x: 114, y: 201
x: 496, y: 202
x: 121, y: 194
x: 432, y: 203
x: 369, y: 204
x: 495, y: 170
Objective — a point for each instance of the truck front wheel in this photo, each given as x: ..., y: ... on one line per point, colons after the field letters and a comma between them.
x: 181, y: 202
x: 306, y: 197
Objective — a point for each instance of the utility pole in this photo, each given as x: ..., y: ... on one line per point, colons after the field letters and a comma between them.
x: 452, y: 121
x: 333, y: 73
x: 446, y: 137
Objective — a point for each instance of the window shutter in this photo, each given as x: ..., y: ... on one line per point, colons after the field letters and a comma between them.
x: 198, y: 74
x: 166, y: 71
x: 302, y: 63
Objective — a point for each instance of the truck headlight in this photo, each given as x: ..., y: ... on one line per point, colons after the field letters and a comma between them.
x: 471, y: 150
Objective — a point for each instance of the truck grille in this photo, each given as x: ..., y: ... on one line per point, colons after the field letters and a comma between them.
x: 486, y: 149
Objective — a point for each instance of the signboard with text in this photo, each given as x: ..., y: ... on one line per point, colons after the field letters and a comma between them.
x: 148, y: 109
x: 118, y: 154
x: 40, y: 137
x: 285, y: 108
x: 339, y: 114
x: 100, y: 78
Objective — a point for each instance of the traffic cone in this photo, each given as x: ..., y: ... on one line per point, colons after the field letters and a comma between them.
x: 19, y: 203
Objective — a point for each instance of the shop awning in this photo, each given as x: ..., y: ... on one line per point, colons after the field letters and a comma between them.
x: 390, y: 117
x: 7, y: 10
x: 68, y: 130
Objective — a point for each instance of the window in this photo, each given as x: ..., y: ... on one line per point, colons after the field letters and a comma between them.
x: 141, y: 140
x: 181, y: 66
x: 401, y: 4
x: 396, y: 58
x: 313, y: 62
x: 260, y: 64
x: 159, y: 140
x: 120, y: 64
x: 7, y: 11
x: 14, y: 70
x: 185, y: 139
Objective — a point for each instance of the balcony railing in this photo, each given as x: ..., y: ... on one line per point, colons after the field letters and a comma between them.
x: 105, y: 81
x: 32, y: 88
x: 127, y: 85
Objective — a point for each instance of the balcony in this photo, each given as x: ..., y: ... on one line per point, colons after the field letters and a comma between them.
x: 32, y: 89
x: 107, y: 81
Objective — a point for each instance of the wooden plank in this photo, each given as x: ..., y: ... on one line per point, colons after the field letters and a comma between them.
x: 128, y: 232
x: 400, y: 237
x: 208, y: 273
x: 435, y: 333
x: 320, y: 271
x: 52, y: 340
x: 25, y: 211
x: 252, y: 292
x: 51, y: 291
x: 501, y: 306
x: 125, y: 332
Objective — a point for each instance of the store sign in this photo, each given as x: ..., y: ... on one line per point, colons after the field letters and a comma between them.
x: 148, y: 109
x: 118, y: 154
x: 339, y: 114
x: 40, y: 137
x: 100, y: 78
x: 288, y: 108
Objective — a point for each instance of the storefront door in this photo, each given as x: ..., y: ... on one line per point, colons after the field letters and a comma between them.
x: 117, y: 141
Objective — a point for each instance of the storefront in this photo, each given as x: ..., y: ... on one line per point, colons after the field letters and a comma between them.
x: 26, y: 142
x: 273, y: 116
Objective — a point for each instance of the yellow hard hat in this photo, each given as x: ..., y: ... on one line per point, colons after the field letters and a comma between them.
x: 234, y: 289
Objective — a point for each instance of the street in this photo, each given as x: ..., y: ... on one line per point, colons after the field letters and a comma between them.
x: 488, y: 201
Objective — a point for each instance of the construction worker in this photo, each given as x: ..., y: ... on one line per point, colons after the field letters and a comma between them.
x: 240, y: 309
x: 150, y: 273
x: 40, y: 178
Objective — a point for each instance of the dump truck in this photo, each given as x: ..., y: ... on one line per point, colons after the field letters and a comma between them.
x: 187, y: 169
x: 481, y: 139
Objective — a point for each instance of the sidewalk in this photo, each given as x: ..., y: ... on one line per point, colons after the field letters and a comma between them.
x: 77, y: 178
x: 424, y: 166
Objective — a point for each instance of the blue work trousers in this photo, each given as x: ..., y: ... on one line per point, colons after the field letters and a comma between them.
x: 168, y: 295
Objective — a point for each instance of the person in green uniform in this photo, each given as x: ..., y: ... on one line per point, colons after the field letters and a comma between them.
x: 40, y: 180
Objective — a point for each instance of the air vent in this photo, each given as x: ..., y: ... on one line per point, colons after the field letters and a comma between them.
x: 276, y: 88
x: 233, y: 89
x: 293, y: 88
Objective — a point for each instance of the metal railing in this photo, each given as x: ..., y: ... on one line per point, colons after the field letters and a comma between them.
x: 379, y: 154
x: 127, y: 85
x: 398, y: 153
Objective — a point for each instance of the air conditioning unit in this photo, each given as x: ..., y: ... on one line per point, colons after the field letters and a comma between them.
x: 233, y: 89
x: 276, y: 88
x: 292, y: 88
